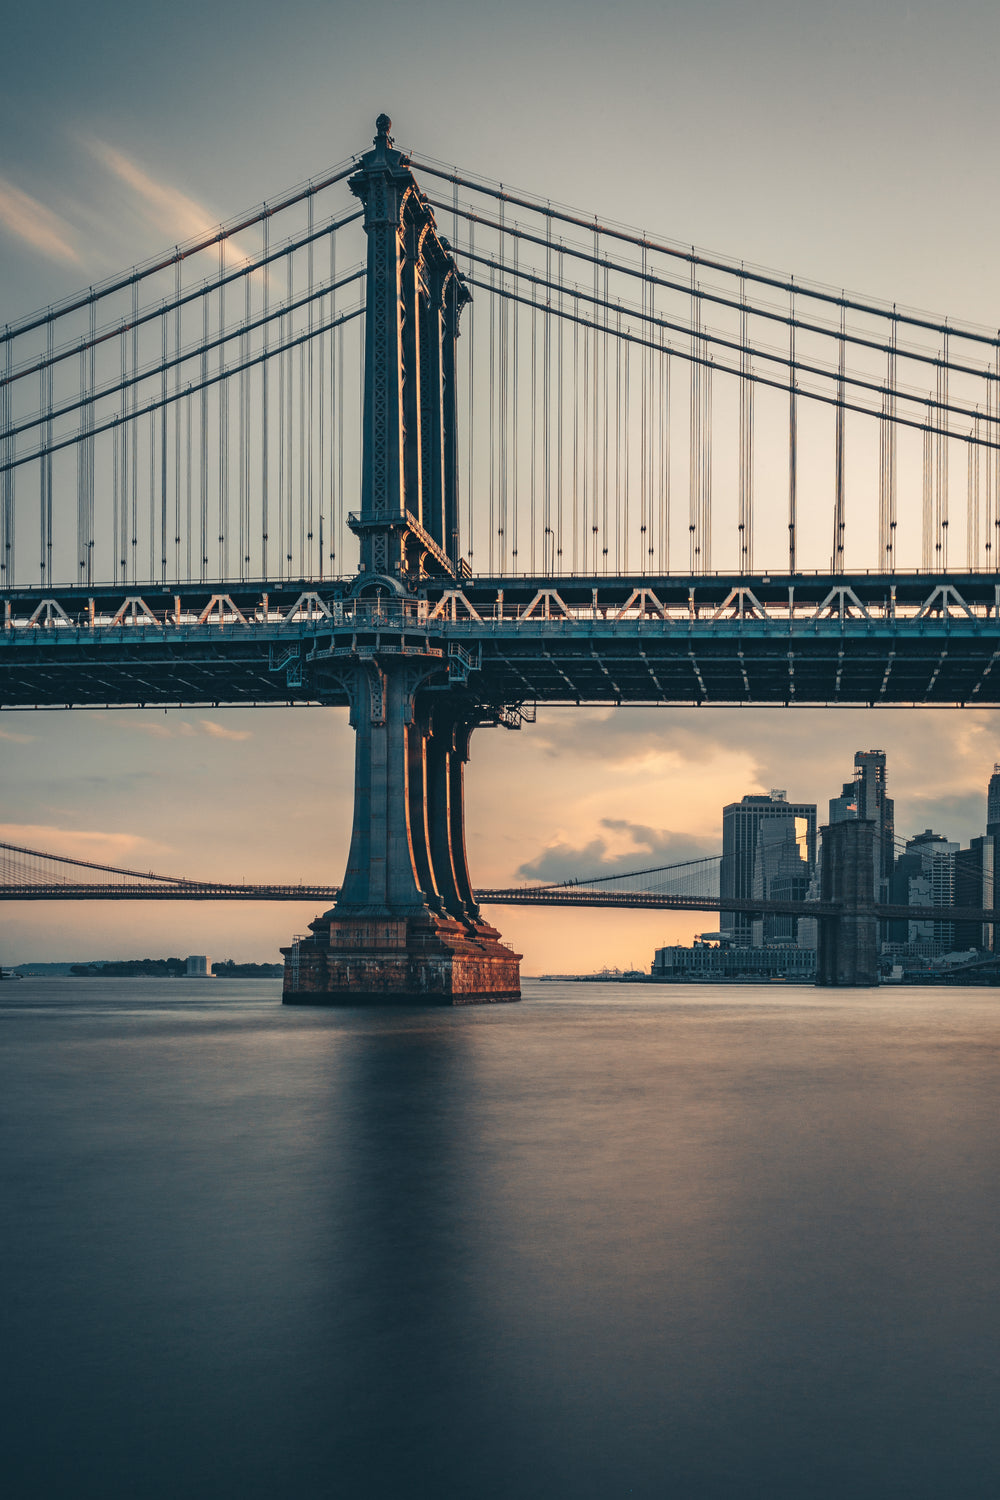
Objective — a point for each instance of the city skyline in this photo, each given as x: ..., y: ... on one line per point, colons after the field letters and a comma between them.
x: 610, y: 937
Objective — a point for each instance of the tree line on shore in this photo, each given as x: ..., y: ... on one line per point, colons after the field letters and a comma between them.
x: 172, y: 968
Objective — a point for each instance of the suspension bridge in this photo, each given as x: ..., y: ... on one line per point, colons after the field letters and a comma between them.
x: 690, y: 885
x: 265, y: 468
x: 34, y: 875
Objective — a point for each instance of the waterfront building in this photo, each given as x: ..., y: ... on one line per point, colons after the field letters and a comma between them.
x: 787, y: 857
x: 705, y: 961
x: 197, y: 966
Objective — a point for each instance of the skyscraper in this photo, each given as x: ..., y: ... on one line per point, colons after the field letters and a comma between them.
x: 974, y: 886
x: 925, y: 876
x: 790, y: 854
x: 993, y: 803
x: 865, y: 798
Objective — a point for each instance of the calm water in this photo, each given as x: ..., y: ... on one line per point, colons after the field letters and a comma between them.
x: 615, y: 1241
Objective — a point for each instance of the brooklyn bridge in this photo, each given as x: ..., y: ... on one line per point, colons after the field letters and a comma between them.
x: 265, y: 468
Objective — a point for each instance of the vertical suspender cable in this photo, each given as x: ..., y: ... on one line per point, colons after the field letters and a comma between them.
x: 177, y: 420
x: 305, y: 419
x: 993, y: 462
x: 972, y: 501
x: 189, y: 489
x: 694, y: 417
x: 163, y: 418
x: 646, y: 428
x: 887, y: 459
x: 532, y: 528
x: 705, y: 478
x: 619, y: 399
x: 46, y: 465
x: 595, y: 468
x: 941, y: 463
x: 134, y: 434
x: 644, y: 435
x: 118, y: 502
x: 588, y: 469
x: 515, y: 448
x: 745, y: 525
x: 606, y: 433
x: 243, y: 453
x: 152, y: 494
x: 282, y: 365
x: 492, y: 529
x: 665, y: 459
x: 471, y: 411
x: 308, y: 569
x: 793, y: 436
x: 265, y: 367
x: 927, y: 494
x: 326, y: 408
x: 560, y: 270
x: 223, y: 456
x: 91, y: 460
x: 547, y: 561
x: 81, y: 488
x: 502, y: 455
x: 7, y: 557
x: 838, y: 514
x: 115, y: 501
x: 203, y: 446
x: 289, y: 422
x: 574, y: 556
x: 338, y: 512
x: 627, y: 471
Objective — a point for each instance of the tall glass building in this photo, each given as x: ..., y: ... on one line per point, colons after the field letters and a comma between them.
x: 866, y: 797
x: 767, y: 843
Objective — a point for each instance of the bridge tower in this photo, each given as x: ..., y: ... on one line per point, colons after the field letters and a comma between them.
x: 848, y: 943
x: 406, y: 927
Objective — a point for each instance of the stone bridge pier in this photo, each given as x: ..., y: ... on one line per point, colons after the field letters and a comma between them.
x: 848, y: 943
x: 406, y: 927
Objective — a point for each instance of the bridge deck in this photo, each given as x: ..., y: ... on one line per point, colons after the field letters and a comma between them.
x: 823, y: 639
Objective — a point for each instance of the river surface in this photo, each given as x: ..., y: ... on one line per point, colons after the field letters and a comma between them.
x: 618, y: 1240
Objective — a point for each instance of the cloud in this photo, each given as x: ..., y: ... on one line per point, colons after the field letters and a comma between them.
x: 26, y: 219
x: 939, y: 762
x: 220, y: 732
x: 648, y: 848
x: 16, y: 739
x: 166, y: 730
x: 78, y: 843
x: 155, y: 731
x: 169, y: 211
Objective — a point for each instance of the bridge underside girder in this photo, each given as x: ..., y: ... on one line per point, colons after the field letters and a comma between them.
x: 930, y: 662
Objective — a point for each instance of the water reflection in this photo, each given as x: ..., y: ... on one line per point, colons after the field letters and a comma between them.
x: 609, y: 1242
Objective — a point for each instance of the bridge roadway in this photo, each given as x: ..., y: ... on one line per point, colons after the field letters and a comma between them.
x: 845, y: 639
x: 324, y: 895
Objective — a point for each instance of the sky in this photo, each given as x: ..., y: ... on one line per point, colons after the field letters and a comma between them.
x: 849, y: 144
